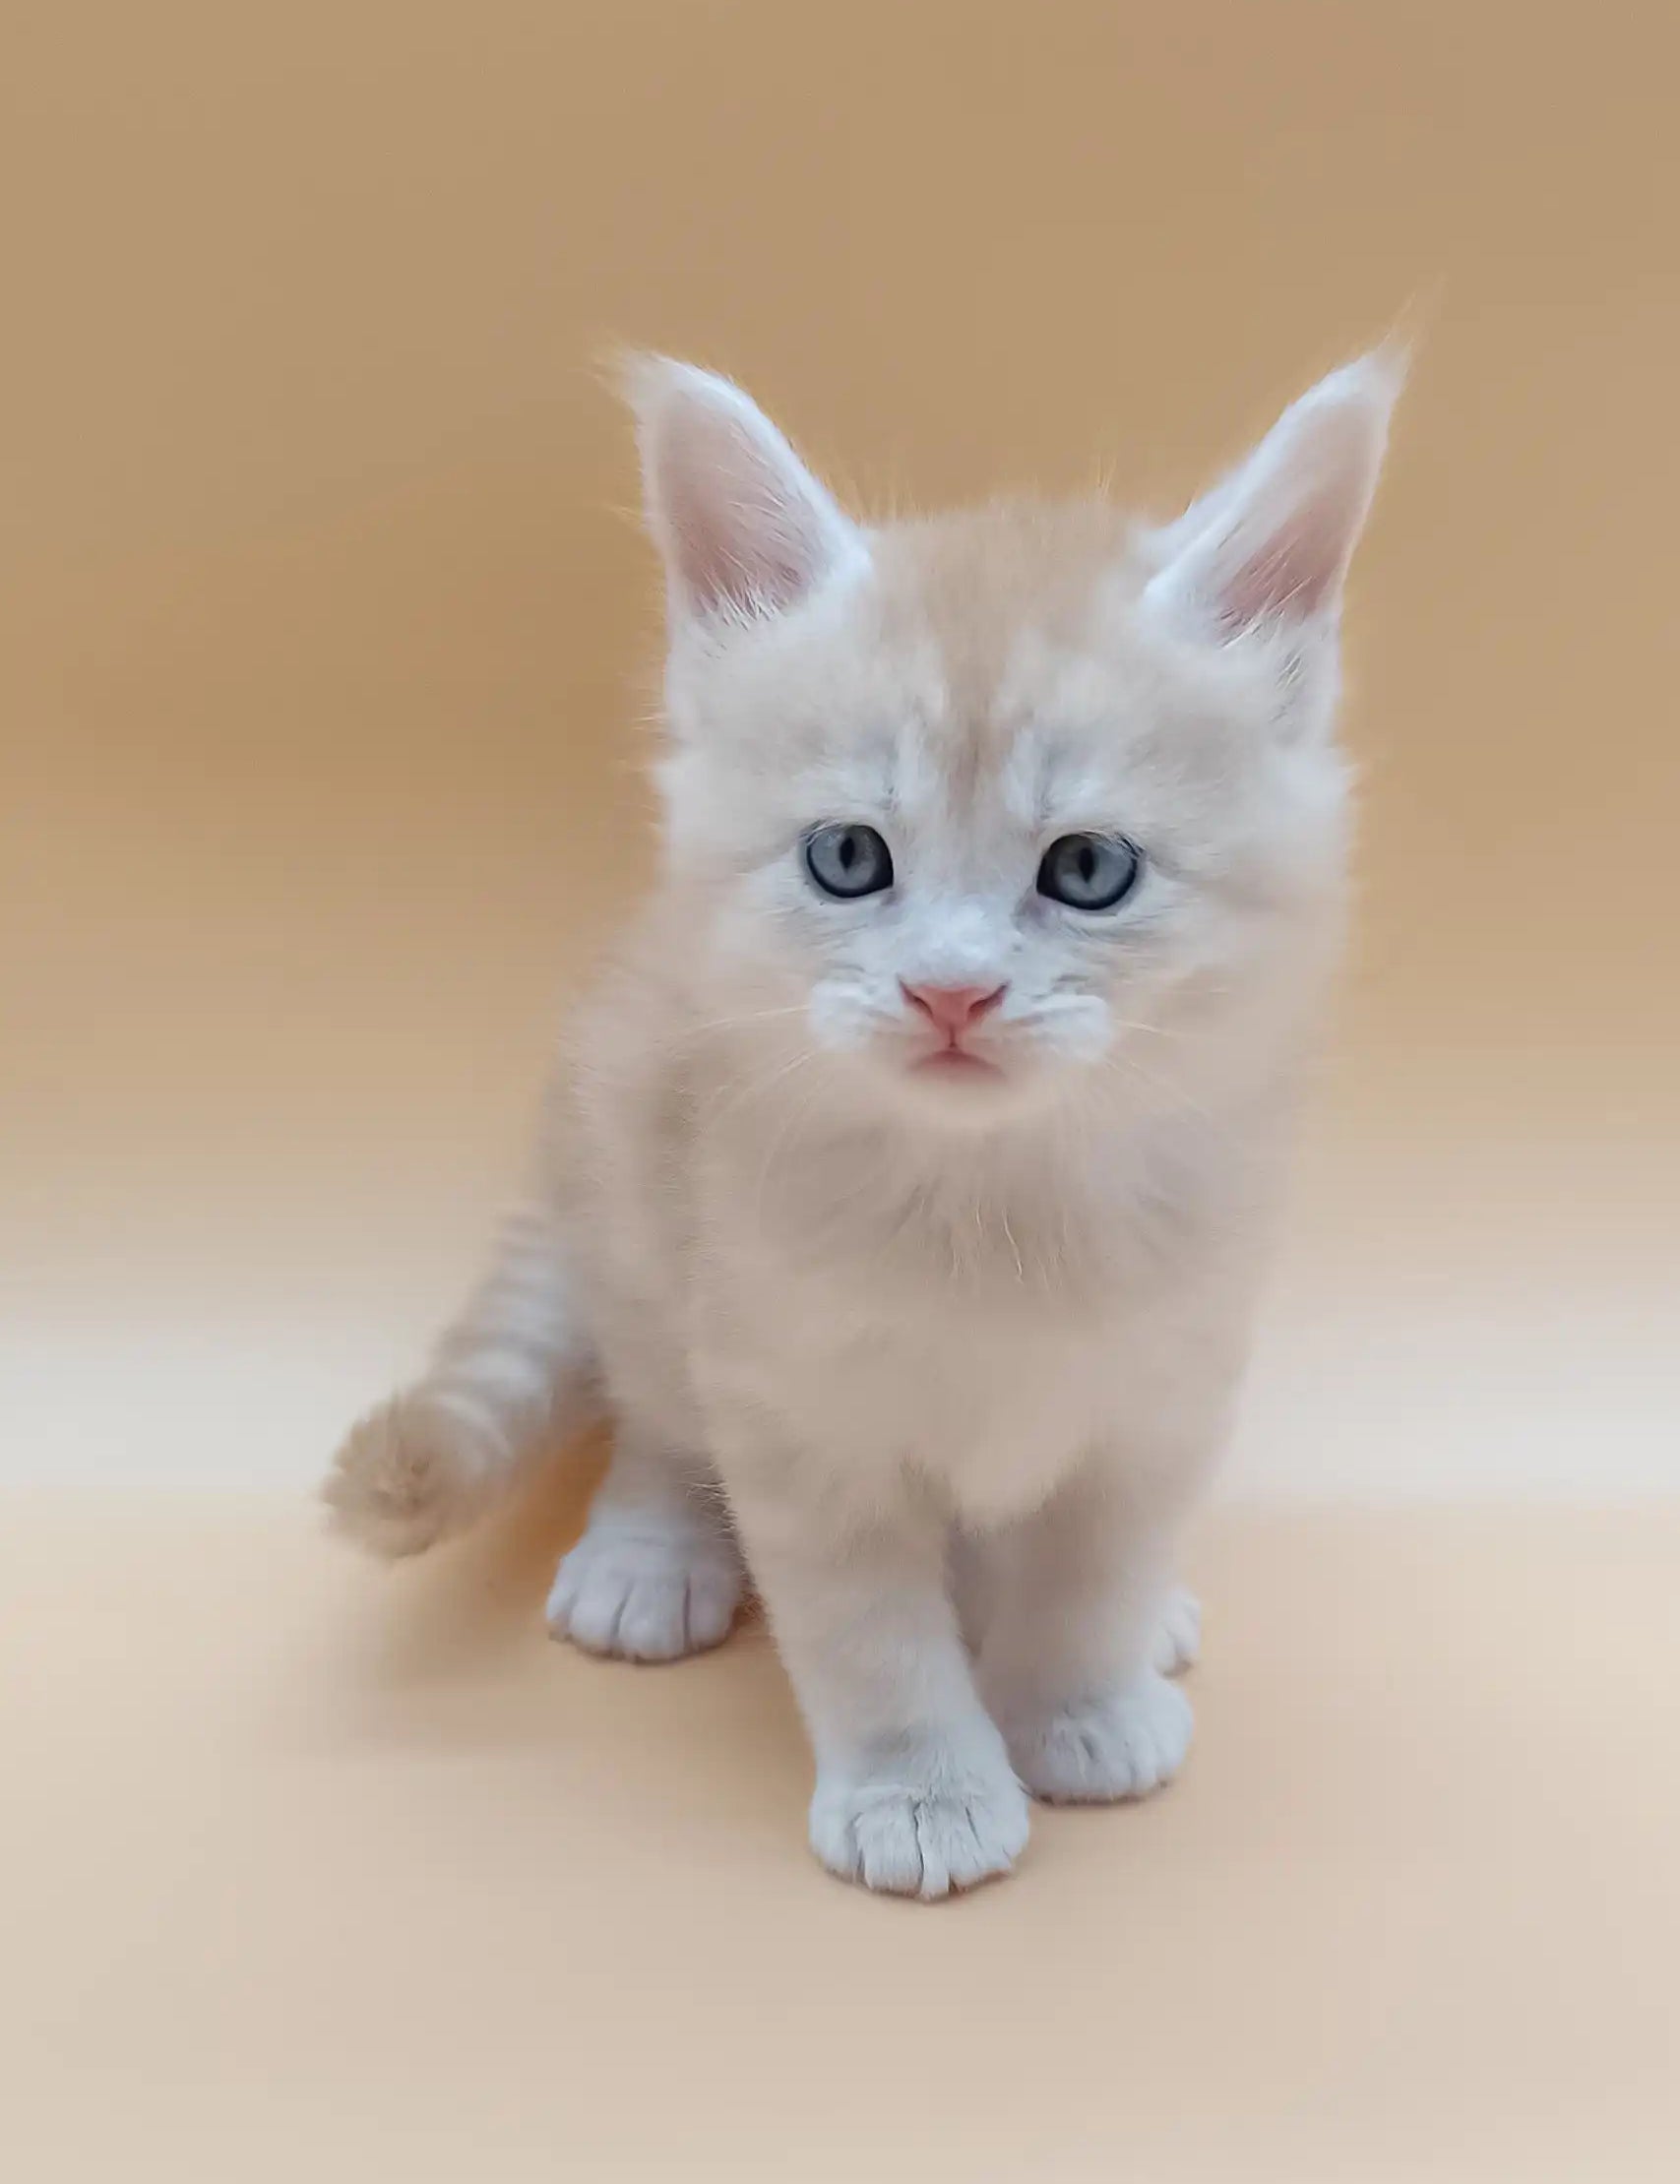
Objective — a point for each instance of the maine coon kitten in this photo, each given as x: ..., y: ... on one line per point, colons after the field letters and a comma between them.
x: 906, y: 1181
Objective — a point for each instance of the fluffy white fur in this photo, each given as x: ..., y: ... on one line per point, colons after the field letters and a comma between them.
x: 942, y: 1354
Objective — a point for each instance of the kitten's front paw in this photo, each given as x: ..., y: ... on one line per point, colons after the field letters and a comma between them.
x: 1119, y: 1744
x: 650, y: 1594
x: 1178, y: 1634
x: 920, y: 1830
x: 404, y: 1479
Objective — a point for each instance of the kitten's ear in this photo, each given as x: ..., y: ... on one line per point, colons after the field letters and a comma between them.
x: 1271, y: 544
x: 744, y: 527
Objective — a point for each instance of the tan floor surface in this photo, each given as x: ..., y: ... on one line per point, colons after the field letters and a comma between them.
x: 315, y: 1873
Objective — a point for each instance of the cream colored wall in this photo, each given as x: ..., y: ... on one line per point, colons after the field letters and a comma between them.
x: 323, y: 632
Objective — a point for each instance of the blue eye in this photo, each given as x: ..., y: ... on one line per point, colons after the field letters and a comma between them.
x: 1089, y: 872
x: 849, y: 861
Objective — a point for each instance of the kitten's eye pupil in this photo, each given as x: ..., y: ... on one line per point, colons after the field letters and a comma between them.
x: 849, y: 861
x: 1089, y: 872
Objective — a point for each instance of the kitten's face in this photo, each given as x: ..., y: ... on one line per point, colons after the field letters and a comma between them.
x: 997, y: 810
x: 986, y: 831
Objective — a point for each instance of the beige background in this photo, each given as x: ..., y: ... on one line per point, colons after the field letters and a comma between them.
x: 323, y: 641
x: 325, y: 632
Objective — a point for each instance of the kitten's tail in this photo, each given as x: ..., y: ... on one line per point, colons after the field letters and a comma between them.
x: 511, y: 1378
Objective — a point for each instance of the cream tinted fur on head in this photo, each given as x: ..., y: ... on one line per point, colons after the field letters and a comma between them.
x: 942, y: 1349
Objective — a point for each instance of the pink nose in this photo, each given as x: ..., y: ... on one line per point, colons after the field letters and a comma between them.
x: 953, y: 1008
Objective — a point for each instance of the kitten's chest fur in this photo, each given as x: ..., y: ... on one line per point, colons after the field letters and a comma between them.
x: 982, y: 1314
x: 983, y: 1309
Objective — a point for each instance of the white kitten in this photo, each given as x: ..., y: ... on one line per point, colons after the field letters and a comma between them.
x: 908, y: 1179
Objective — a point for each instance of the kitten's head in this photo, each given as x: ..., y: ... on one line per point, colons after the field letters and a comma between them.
x: 1015, y: 805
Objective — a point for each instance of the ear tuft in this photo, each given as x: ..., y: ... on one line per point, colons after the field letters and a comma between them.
x: 744, y: 528
x: 1270, y: 543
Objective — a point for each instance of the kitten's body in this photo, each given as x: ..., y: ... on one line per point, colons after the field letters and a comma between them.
x: 957, y: 1342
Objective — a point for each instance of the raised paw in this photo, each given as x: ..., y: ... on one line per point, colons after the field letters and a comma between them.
x: 1118, y: 1745
x: 654, y: 1593
x: 920, y: 1830
x: 405, y: 1476
x: 1178, y: 1634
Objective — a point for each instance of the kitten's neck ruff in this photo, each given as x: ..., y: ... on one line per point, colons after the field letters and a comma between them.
x: 1078, y: 1195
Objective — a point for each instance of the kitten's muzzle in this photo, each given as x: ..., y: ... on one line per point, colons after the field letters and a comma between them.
x: 953, y: 1012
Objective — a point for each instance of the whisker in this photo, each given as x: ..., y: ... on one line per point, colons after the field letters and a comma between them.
x: 741, y: 1023
x: 795, y: 1115
x: 711, y: 1115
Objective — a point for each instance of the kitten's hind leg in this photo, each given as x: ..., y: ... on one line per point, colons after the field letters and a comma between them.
x: 657, y: 1573
x: 1082, y: 1631
x: 979, y: 1569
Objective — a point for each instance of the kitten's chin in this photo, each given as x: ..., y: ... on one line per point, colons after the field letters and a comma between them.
x: 961, y: 1091
x: 956, y: 1065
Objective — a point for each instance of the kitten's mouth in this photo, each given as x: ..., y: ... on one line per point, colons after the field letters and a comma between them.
x: 955, y: 1061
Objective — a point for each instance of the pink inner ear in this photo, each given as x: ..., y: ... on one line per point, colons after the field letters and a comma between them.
x: 1293, y: 570
x: 1275, y: 539
x: 743, y: 525
x: 735, y: 536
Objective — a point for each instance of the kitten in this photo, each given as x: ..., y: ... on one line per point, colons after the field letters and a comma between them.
x: 905, y: 1187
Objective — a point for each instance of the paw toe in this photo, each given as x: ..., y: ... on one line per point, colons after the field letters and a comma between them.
x: 1118, y: 1745
x: 644, y: 1600
x: 922, y: 1840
